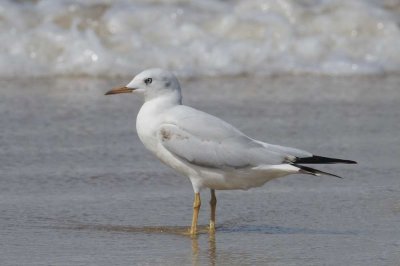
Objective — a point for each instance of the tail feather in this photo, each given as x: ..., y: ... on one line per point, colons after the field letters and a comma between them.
x: 312, y: 171
x: 315, y: 159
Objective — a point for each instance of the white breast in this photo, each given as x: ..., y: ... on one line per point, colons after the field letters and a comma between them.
x: 147, y: 123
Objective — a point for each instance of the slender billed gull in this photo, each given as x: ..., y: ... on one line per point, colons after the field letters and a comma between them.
x: 210, y: 152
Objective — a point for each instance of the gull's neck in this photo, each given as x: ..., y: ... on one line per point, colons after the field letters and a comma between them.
x: 151, y: 115
x: 165, y: 100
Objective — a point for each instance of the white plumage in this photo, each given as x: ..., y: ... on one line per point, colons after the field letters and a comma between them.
x: 211, y: 152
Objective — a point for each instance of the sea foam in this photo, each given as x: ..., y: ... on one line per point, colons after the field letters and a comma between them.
x: 199, y: 37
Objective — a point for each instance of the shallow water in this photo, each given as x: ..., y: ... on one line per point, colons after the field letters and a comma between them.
x: 78, y: 188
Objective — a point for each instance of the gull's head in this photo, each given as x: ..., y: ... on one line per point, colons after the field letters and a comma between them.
x: 152, y: 83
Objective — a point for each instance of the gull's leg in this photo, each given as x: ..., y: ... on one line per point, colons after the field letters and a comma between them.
x: 196, y: 208
x: 213, y: 205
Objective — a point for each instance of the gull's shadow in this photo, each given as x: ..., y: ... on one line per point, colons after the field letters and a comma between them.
x: 274, y: 230
x: 174, y: 230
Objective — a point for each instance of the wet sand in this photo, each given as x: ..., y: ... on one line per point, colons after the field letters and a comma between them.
x: 78, y: 188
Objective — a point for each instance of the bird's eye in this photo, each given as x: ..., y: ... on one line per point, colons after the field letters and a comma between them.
x: 148, y: 81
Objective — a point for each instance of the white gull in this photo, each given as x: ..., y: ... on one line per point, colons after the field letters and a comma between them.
x: 208, y: 150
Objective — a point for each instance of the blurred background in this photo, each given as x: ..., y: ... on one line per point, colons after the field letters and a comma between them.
x: 77, y: 187
x: 200, y: 37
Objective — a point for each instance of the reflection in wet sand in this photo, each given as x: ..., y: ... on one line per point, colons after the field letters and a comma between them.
x: 195, y: 251
x: 212, y: 250
x: 174, y: 230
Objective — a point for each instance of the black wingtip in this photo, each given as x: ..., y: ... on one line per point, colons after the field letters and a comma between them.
x: 312, y: 171
x: 315, y: 159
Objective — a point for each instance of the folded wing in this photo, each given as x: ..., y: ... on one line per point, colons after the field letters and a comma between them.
x: 206, y: 140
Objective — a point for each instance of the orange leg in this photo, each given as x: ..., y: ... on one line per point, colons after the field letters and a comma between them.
x: 196, y: 208
x: 213, y: 205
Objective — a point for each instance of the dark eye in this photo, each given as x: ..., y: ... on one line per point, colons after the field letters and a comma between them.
x: 148, y: 81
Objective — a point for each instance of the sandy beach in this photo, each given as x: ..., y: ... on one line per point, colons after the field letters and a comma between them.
x: 78, y: 188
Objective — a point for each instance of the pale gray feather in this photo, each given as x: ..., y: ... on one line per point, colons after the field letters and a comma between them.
x: 206, y: 140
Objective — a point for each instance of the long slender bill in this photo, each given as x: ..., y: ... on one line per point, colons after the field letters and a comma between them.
x: 119, y: 90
